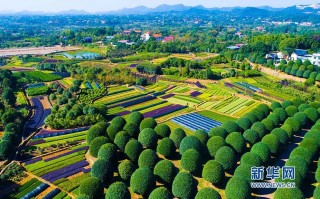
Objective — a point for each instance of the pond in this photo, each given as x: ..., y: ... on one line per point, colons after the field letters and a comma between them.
x: 82, y: 55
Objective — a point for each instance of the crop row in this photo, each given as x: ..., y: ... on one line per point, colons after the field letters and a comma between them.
x: 51, y: 133
x: 163, y: 111
x: 188, y: 99
x: 147, y: 105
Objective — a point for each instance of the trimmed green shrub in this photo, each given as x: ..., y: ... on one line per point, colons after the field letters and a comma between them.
x: 243, y: 171
x: 252, y: 117
x: 317, y: 174
x: 272, y: 141
x: 313, y: 135
x: 148, y: 138
x: 135, y: 118
x: 262, y: 150
x: 93, y: 132
x: 142, y: 181
x: 302, y: 152
x: 259, y: 114
x: 82, y: 197
x: 236, y: 141
x: 288, y: 129
x: 133, y: 149
x: 301, y: 166
x: 177, y: 135
x: 118, y: 121
x: 238, y: 188
x: 214, y: 144
x: 165, y: 171
x: 218, y: 131
x: 251, y: 136
x: 312, y: 114
x: 108, y: 151
x: 96, y: 144
x: 316, y: 193
x: 263, y: 108
x: 184, y: 186
x: 103, y: 170
x: 207, y: 193
x: 275, y: 105
x: 202, y: 135
x: 148, y: 123
x: 244, y: 123
x: 274, y: 118
x: 226, y: 157
x: 251, y: 159
x: 259, y: 128
x: 230, y: 126
x: 166, y: 147
x: 191, y: 160
x: 268, y: 124
x: 121, y: 139
x: 148, y: 158
x: 286, y: 103
x: 281, y: 113
x: 162, y: 130
x: 314, y: 104
x: 295, y: 193
x: 213, y: 172
x: 291, y: 110
x: 190, y: 142
x: 160, y: 193
x: 113, y: 129
x: 126, y: 169
x: 303, y: 107
x: 294, y: 123
x: 310, y: 144
x: 132, y: 129
x: 91, y: 187
x: 281, y: 134
x: 118, y: 190
x: 301, y: 117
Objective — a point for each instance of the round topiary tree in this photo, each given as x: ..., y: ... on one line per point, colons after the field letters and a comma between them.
x: 259, y: 114
x: 160, y: 193
x: 103, y: 170
x: 262, y: 150
x: 272, y: 141
x: 238, y: 188
x: 165, y: 171
x: 274, y: 118
x: 166, y: 147
x: 252, y: 117
x: 294, y: 123
x: 251, y: 159
x: 207, y: 193
x: 113, y: 129
x: 244, y: 123
x: 312, y: 114
x: 190, y: 142
x: 301, y: 117
x: 142, y: 181
x: 133, y: 149
x: 148, y: 123
x: 214, y: 144
x: 162, y: 130
x: 121, y: 139
x: 108, y: 151
x: 191, y: 160
x: 314, y: 104
x: 243, y: 171
x: 316, y: 193
x: 236, y: 141
x: 286, y: 103
x: 230, y: 126
x: 301, y: 166
x: 310, y: 144
x: 303, y: 107
x: 202, y: 135
x: 268, y: 124
x: 263, y: 108
x: 259, y: 128
x: 118, y: 190
x: 118, y: 121
x: 135, y: 118
x: 213, y: 172
x: 275, y: 105
x: 288, y: 193
x: 126, y: 169
x: 291, y: 110
x: 218, y: 131
x: 96, y: 144
x: 226, y: 157
x: 184, y: 186
x: 93, y: 132
x: 91, y: 187
x: 148, y: 158
x: 132, y: 129
x: 303, y: 153
x: 288, y: 129
x: 177, y: 135
x: 148, y: 138
x: 251, y: 136
x: 281, y: 134
x: 281, y: 113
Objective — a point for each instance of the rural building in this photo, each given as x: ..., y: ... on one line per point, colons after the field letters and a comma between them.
x: 303, y: 56
x: 146, y: 36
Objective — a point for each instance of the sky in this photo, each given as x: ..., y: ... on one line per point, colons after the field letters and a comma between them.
x: 108, y: 5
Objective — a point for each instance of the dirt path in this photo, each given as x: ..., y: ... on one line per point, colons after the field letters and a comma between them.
x: 280, y: 74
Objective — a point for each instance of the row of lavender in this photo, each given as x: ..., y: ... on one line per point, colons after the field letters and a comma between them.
x: 163, y: 111
x: 51, y: 133
x: 38, y: 117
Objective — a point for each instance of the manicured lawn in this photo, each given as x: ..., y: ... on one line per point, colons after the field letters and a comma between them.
x: 216, y: 116
x: 188, y: 99
x: 21, y: 100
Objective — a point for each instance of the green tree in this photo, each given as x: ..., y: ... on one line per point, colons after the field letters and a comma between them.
x: 213, y: 172
x: 133, y: 149
x: 236, y: 141
x: 165, y: 171
x: 207, y: 193
x: 191, y: 160
x: 96, y: 144
x: 142, y: 181
x: 103, y: 170
x: 91, y: 187
x: 177, y: 135
x: 162, y: 130
x: 118, y: 190
x: 148, y: 158
x: 190, y: 142
x: 238, y: 189
x: 166, y: 147
x: 184, y: 186
x: 126, y: 169
x: 226, y: 157
x: 148, y: 138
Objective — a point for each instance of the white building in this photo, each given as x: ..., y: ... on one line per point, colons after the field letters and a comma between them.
x: 303, y: 56
x: 316, y: 59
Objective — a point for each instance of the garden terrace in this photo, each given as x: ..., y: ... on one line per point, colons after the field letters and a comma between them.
x: 249, y: 86
x: 146, y: 105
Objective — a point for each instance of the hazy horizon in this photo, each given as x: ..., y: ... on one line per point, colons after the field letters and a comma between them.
x: 104, y: 5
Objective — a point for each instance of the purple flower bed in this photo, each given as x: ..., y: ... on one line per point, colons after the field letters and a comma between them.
x: 51, y: 133
x: 46, y: 113
x: 163, y: 111
x: 136, y: 101
x: 36, y: 142
x: 227, y: 84
x: 169, y: 88
x: 86, y: 170
x: 133, y: 65
x: 67, y: 153
x: 35, y: 120
x: 167, y: 96
x: 123, y: 113
x: 198, y: 84
x: 195, y: 93
x: 67, y: 174
x: 32, y: 161
x: 65, y: 171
